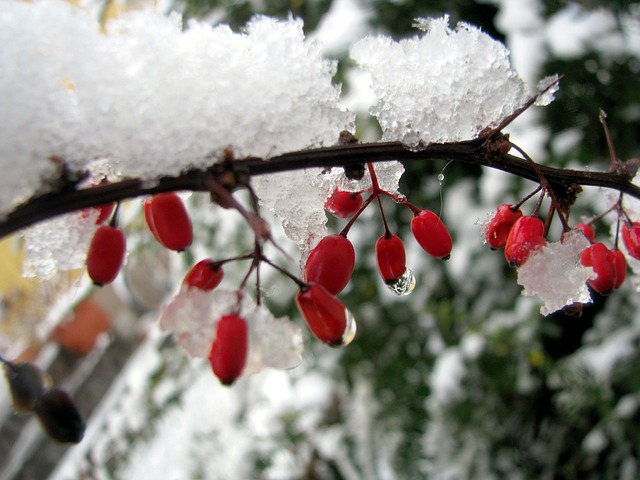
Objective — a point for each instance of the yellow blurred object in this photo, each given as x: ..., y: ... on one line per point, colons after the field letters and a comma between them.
x: 11, y: 259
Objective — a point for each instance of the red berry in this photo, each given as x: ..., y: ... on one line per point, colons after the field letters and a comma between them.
x: 498, y: 228
x: 631, y: 239
x: 149, y: 218
x: 104, y: 212
x: 170, y: 220
x: 343, y: 204
x: 229, y: 350
x: 106, y: 254
x: 620, y: 263
x: 327, y: 317
x: 331, y: 263
x: 204, y: 275
x: 391, y: 257
x: 526, y: 235
x: 588, y: 231
x: 602, y: 260
x: 431, y: 234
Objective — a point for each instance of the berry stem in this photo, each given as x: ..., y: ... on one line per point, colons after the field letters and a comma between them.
x: 516, y: 206
x: 387, y: 233
x: 302, y: 284
x: 614, y: 164
x: 345, y: 231
x: 375, y: 186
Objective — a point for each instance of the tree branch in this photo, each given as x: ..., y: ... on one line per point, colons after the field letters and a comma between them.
x: 488, y: 151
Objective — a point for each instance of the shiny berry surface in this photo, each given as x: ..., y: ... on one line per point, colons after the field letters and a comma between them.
x: 391, y: 257
x: 432, y: 235
x: 498, y: 228
x: 620, y: 264
x: 229, y: 350
x: 326, y: 316
x: 148, y: 217
x: 106, y: 254
x: 602, y: 260
x: 631, y: 239
x: 331, y: 263
x: 170, y: 220
x: 343, y: 204
x: 526, y: 236
x: 204, y: 275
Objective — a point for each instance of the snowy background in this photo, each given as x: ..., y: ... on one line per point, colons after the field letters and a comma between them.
x: 463, y: 379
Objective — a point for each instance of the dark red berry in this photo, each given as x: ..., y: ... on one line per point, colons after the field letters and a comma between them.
x: 620, y: 263
x: 229, y: 350
x: 526, y: 236
x: 588, y: 231
x: 343, y: 204
x: 391, y: 257
x: 106, y: 254
x: 170, y: 220
x: 432, y: 235
x: 326, y: 316
x: 602, y: 260
x: 26, y: 384
x: 204, y: 275
x: 60, y: 417
x: 498, y: 228
x: 631, y: 239
x: 148, y: 217
x: 331, y: 263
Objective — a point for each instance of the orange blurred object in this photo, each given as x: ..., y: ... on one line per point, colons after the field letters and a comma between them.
x: 81, y: 329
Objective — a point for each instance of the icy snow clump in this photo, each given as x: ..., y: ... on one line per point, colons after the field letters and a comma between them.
x: 442, y: 86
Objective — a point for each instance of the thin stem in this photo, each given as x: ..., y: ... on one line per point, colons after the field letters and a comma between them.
x: 516, y: 206
x: 345, y: 231
x: 613, y: 166
x: 302, y: 284
x: 387, y: 233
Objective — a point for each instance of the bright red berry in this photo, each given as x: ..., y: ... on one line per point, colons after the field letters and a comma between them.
x: 498, y: 228
x: 104, y: 212
x: 602, y: 260
x: 168, y: 217
x: 631, y: 239
x: 588, y: 231
x: 148, y: 217
x: 331, y: 263
x: 391, y: 257
x: 327, y: 317
x: 204, y: 275
x: 106, y: 254
x: 229, y: 350
x: 620, y: 263
x: 343, y: 204
x: 526, y: 235
x: 431, y: 234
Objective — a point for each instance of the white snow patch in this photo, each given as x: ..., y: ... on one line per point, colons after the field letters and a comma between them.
x: 555, y: 274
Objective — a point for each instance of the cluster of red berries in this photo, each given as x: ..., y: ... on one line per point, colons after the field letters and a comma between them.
x: 521, y: 235
x: 330, y: 265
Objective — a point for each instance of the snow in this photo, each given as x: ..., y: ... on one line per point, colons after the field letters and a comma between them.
x: 462, y: 78
x: 555, y: 274
x: 192, y: 317
x: 151, y: 96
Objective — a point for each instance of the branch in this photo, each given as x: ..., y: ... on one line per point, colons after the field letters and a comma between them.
x: 488, y: 151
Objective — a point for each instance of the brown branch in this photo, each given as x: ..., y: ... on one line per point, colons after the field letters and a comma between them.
x: 486, y: 151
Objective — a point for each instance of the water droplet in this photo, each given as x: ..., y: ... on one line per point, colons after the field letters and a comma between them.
x: 403, y: 285
x: 349, y: 329
x: 440, y: 178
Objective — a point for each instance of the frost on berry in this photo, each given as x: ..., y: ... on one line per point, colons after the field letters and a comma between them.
x: 496, y: 229
x: 554, y: 273
x: 343, y: 204
x: 192, y: 318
